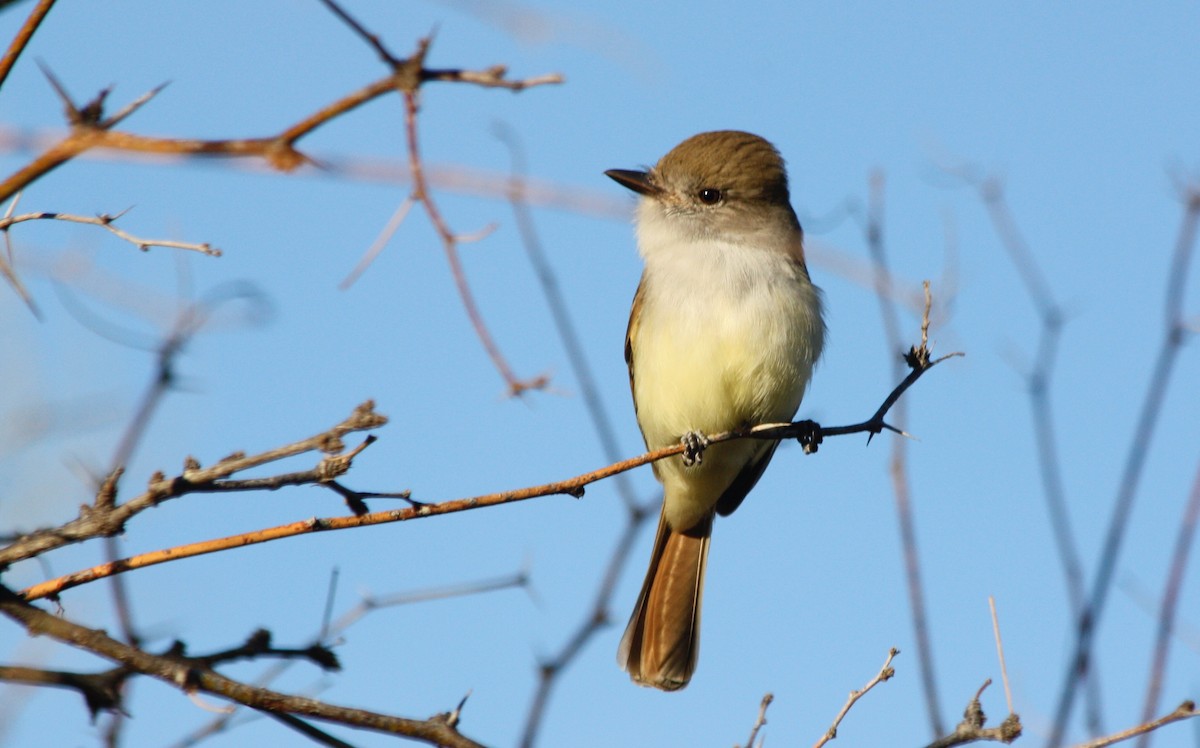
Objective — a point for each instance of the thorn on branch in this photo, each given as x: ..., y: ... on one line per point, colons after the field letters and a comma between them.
x: 452, y: 718
x: 106, y: 495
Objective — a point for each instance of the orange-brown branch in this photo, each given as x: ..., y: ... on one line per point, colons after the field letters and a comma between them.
x: 808, y: 432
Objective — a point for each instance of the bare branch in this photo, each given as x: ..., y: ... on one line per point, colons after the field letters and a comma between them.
x: 1000, y: 654
x: 972, y: 729
x: 101, y: 521
x: 885, y: 673
x: 901, y: 487
x: 108, y: 222
x: 1170, y: 603
x: 1186, y: 710
x: 194, y: 479
x: 92, y: 131
x: 422, y: 194
x: 1174, y: 334
x: 192, y: 677
x: 331, y: 631
x: 758, y: 723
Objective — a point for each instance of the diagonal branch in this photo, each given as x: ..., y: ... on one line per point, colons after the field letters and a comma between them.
x: 21, y: 40
x: 1174, y: 335
x: 809, y: 433
x: 885, y: 673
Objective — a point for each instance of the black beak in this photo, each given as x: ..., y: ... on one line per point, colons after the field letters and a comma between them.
x: 638, y: 181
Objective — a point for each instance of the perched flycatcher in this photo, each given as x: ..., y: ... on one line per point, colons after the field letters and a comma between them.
x: 724, y: 332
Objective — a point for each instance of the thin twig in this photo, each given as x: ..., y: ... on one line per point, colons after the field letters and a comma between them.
x: 108, y: 222
x: 381, y: 241
x: 422, y: 194
x: 9, y: 271
x: 899, y: 470
x: 1186, y: 710
x: 885, y: 673
x: 760, y: 722
x: 1170, y: 603
x: 1000, y: 654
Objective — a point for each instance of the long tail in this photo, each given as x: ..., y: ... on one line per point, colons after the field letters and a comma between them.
x: 662, y: 641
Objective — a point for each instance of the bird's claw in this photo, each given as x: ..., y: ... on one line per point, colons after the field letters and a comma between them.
x: 810, y: 436
x: 694, y: 444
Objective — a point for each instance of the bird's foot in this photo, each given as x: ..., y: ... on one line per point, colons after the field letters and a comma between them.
x: 810, y: 436
x: 694, y: 444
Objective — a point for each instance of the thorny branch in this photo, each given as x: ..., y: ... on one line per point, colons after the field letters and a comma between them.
x: 92, y: 523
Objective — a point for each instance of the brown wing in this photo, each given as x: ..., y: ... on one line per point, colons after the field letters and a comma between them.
x: 745, y: 480
x: 635, y: 317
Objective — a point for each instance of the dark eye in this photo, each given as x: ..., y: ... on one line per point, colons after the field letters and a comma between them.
x: 710, y: 196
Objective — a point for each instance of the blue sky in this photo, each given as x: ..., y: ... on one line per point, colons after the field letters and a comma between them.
x: 1087, y: 114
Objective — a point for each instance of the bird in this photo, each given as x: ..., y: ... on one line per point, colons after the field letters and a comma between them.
x: 725, y: 329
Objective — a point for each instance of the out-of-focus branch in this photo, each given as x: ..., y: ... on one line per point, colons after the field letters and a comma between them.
x: 899, y: 465
x: 596, y: 616
x: 409, y: 74
x: 1174, y: 333
x: 885, y: 673
x: 1186, y: 710
x: 1039, y: 380
x: 191, y: 676
x: 560, y: 311
x: 21, y: 40
x: 100, y: 691
x: 91, y: 130
x: 331, y: 632
x: 1169, y: 605
x: 450, y: 240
